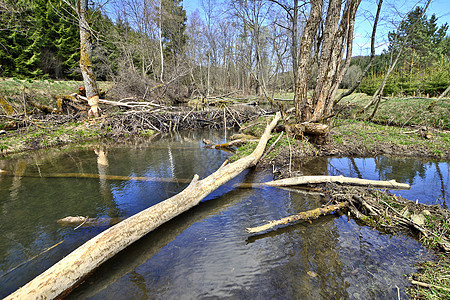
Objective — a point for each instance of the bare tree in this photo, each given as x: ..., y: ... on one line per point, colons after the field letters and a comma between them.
x: 376, y: 98
x: 334, y: 44
x: 292, y: 12
x: 372, y: 56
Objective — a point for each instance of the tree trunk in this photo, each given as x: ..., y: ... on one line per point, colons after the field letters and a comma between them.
x: 391, y: 184
x: 161, y: 52
x: 295, y: 42
x: 86, y: 67
x: 72, y: 269
x: 336, y: 37
x: 334, y: 43
x: 372, y: 57
x: 302, y: 104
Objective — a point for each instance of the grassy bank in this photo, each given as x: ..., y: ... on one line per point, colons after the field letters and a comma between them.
x: 14, y: 91
x: 400, y: 111
x: 356, y: 137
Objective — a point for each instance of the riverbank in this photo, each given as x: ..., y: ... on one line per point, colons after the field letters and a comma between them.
x: 391, y: 214
x: 349, y: 136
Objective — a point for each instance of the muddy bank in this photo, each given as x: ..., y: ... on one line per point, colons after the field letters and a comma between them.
x: 362, y: 139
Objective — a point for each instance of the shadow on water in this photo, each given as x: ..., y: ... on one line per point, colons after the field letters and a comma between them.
x: 205, y: 252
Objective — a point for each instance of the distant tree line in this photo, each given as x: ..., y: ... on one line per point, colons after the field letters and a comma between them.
x: 424, y: 63
x: 247, y: 46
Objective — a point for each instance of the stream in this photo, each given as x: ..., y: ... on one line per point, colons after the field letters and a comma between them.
x: 205, y: 252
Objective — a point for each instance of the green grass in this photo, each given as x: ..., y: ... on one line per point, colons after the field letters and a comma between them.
x: 40, y: 91
x: 370, y: 135
x: 402, y: 112
x: 437, y: 275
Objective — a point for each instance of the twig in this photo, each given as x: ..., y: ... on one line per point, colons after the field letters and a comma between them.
x: 427, y: 285
x: 233, y: 117
x: 85, y: 220
x: 30, y: 259
x: 272, y: 146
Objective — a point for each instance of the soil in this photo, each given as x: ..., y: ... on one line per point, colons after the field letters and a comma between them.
x: 354, y: 148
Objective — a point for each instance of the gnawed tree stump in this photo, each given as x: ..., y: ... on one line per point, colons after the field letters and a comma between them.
x: 316, y: 132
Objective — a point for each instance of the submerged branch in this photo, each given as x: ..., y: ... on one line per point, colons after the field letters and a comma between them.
x: 306, y: 215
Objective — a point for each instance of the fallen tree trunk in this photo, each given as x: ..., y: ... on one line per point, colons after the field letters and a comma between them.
x: 72, y: 269
x: 391, y: 184
x: 98, y: 176
x: 306, y: 215
x: 235, y: 143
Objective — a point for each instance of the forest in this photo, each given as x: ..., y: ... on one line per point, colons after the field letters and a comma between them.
x: 238, y: 46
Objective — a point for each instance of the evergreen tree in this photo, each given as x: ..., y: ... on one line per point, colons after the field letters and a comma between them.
x: 422, y: 40
x: 37, y: 41
x: 173, y: 28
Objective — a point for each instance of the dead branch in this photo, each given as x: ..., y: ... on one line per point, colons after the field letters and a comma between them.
x: 392, y: 184
x: 307, y: 215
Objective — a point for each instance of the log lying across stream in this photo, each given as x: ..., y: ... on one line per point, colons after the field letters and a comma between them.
x: 71, y: 270
x: 302, y: 180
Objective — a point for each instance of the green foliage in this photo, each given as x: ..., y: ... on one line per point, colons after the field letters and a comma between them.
x: 173, y: 28
x: 424, y: 65
x: 421, y: 40
x: 432, y: 81
x: 39, y: 40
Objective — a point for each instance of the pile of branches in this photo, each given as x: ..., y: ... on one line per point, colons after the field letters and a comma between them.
x: 390, y: 213
x: 182, y: 118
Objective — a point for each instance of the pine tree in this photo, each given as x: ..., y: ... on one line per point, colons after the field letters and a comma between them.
x: 37, y: 41
x: 173, y: 28
x: 422, y: 40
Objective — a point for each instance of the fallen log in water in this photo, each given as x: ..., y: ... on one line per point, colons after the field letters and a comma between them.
x: 306, y: 215
x: 72, y: 269
x: 79, y: 221
x: 98, y: 176
x: 302, y: 180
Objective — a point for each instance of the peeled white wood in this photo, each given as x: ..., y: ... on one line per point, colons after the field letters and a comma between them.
x: 392, y: 184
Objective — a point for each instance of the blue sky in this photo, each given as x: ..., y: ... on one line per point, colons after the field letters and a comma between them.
x: 363, y: 30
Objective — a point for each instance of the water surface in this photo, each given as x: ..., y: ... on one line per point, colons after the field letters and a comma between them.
x: 205, y: 252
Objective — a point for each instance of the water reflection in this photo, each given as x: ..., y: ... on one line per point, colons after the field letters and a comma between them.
x: 429, y: 180
x: 31, y: 203
x: 205, y: 252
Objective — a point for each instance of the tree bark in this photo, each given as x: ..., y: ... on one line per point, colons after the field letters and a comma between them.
x: 306, y: 215
x: 71, y: 270
x: 334, y: 43
x: 337, y: 40
x: 372, y: 57
x: 391, y: 184
x: 86, y: 67
x: 302, y: 103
